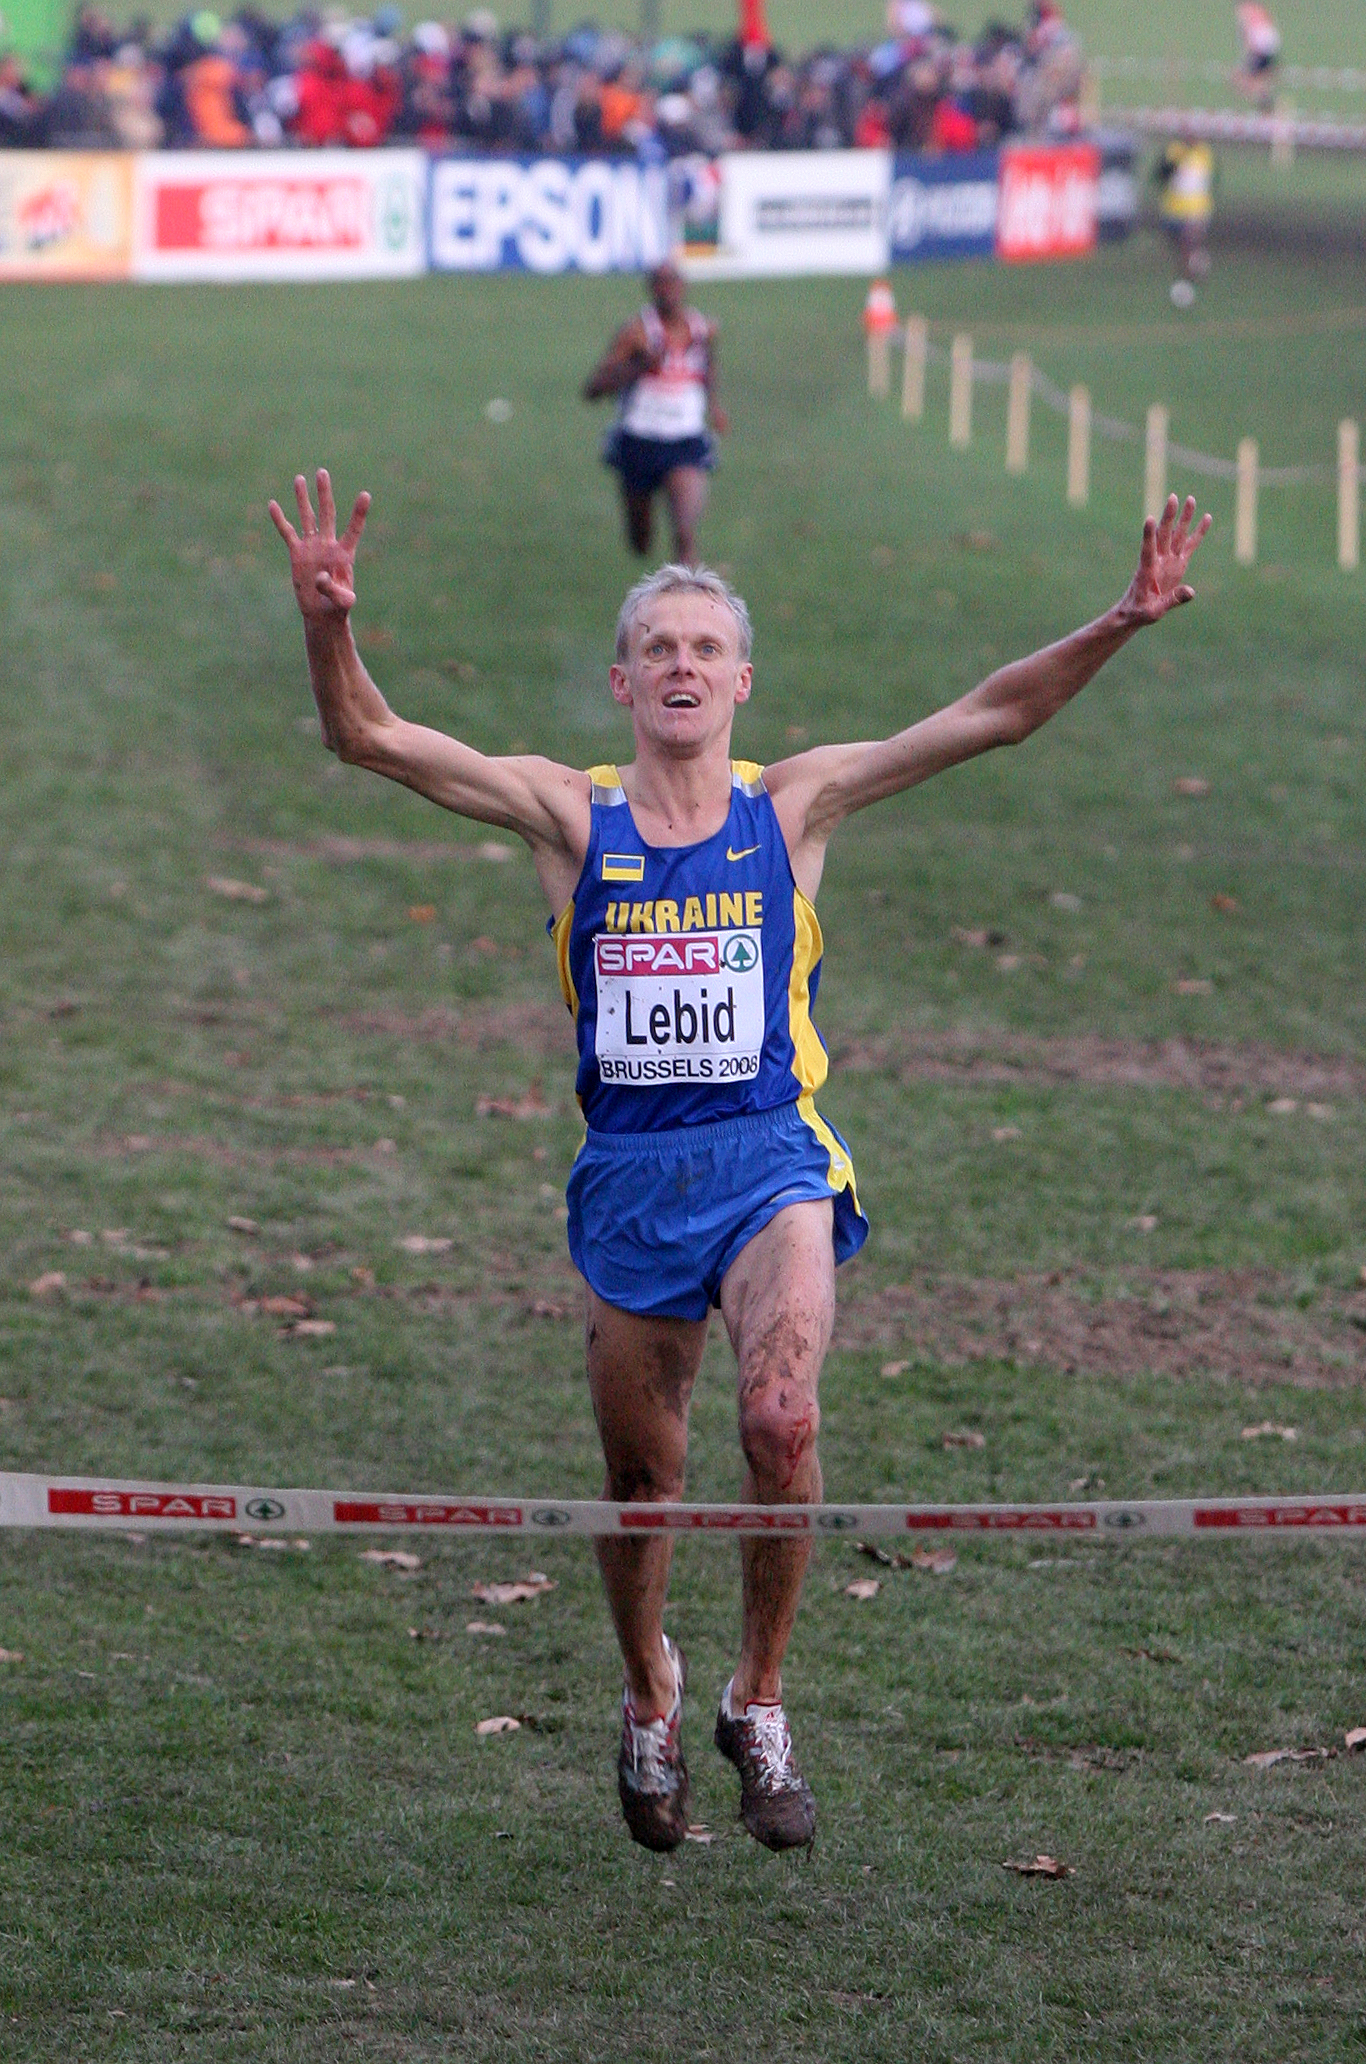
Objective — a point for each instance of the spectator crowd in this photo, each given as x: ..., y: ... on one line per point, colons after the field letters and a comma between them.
x: 323, y: 80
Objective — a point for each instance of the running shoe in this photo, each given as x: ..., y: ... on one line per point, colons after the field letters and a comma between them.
x: 776, y: 1802
x: 651, y: 1774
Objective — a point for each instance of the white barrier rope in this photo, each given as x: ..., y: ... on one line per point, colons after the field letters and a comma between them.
x: 105, y: 1504
x: 995, y: 372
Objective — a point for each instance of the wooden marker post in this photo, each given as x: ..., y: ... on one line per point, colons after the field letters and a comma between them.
x: 1155, y: 461
x: 1349, y: 495
x: 1245, y: 508
x: 960, y: 392
x: 913, y: 371
x: 1017, y: 413
x: 1283, y: 135
x: 1079, y: 447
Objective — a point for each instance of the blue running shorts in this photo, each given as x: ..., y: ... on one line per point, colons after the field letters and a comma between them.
x: 645, y: 463
x: 656, y: 1218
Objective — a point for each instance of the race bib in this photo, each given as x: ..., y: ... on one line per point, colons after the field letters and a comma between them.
x: 666, y: 409
x: 679, y: 1007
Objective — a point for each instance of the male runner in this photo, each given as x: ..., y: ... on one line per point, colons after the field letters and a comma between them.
x: 681, y: 890
x: 663, y: 366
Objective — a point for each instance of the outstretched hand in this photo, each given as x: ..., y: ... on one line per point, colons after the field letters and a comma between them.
x: 1169, y: 545
x: 322, y: 565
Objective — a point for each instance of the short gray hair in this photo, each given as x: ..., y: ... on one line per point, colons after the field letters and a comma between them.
x: 683, y: 580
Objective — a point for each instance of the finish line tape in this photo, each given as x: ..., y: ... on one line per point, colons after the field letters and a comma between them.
x: 101, y: 1503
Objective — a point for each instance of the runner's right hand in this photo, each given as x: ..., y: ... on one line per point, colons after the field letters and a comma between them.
x: 321, y: 564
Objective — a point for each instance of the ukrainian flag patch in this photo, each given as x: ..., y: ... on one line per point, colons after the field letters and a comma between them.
x: 623, y: 867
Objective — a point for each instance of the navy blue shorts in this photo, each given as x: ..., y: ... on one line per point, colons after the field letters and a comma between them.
x: 656, y: 1218
x: 645, y: 463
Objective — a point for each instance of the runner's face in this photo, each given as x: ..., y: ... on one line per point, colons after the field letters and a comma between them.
x: 683, y: 677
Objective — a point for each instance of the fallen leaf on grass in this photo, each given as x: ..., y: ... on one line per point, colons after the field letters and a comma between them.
x: 391, y: 1558
x: 1267, y: 1429
x: 1191, y: 784
x: 529, y: 1586
x: 876, y: 1554
x: 425, y: 1634
x: 1281, y: 1107
x: 1321, y: 1112
x: 11, y: 1655
x: 1227, y: 905
x: 532, y: 1105
x: 48, y: 1284
x: 546, y: 1308
x: 862, y: 1587
x: 968, y: 1437
x: 422, y: 913
x: 1222, y: 1819
x: 895, y: 1368
x: 490, y: 849
x: 500, y: 1723
x: 699, y: 1832
x: 79, y: 1238
x: 1001, y: 1133
x: 311, y: 1329
x: 1146, y: 1222
x: 964, y: 937
x: 1193, y: 985
x: 936, y: 1562
x: 364, y: 1276
x: 1266, y: 1759
x: 1153, y: 1655
x: 237, y: 891
x: 1038, y: 1867
x: 1355, y: 1738
x: 287, y: 1307
x: 243, y: 1225
x: 425, y: 1243
x: 484, y: 1627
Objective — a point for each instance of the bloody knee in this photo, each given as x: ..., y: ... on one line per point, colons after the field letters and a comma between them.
x: 779, y: 1424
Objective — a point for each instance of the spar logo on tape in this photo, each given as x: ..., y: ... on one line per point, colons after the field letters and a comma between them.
x: 424, y: 1512
x: 1003, y: 1521
x: 633, y: 1520
x: 142, y: 1504
x: 1303, y: 1513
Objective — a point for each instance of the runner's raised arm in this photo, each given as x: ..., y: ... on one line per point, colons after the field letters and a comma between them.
x: 815, y: 791
x: 542, y: 802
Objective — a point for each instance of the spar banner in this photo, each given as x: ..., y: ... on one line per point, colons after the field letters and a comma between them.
x: 547, y: 215
x: 1050, y: 196
x: 797, y: 212
x: 944, y: 207
x: 66, y: 215
x: 280, y: 215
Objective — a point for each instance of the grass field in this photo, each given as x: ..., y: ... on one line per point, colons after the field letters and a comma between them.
x: 246, y: 1812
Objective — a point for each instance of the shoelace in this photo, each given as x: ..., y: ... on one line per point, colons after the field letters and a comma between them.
x: 771, y: 1746
x: 651, y: 1740
x: 649, y: 1747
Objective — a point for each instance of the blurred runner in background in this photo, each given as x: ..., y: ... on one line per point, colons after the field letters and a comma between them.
x: 1261, y: 41
x: 663, y: 366
x: 1185, y: 176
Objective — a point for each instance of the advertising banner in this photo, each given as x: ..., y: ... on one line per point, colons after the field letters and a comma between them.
x: 943, y: 207
x: 284, y: 215
x: 547, y: 215
x: 65, y: 215
x: 799, y: 212
x: 1049, y: 199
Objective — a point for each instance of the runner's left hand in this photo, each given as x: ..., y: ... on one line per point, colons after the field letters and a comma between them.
x: 1169, y: 545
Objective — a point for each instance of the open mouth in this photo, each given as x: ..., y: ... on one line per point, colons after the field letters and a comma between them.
x: 682, y: 699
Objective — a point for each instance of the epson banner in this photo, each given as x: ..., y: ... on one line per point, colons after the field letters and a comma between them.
x: 944, y: 207
x: 547, y: 215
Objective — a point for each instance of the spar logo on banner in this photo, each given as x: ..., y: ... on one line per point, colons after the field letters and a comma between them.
x: 1048, y: 205
x: 277, y: 215
x: 547, y: 215
x: 944, y: 207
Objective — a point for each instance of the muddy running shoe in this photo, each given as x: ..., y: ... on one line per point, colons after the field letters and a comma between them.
x: 651, y: 1774
x: 775, y: 1799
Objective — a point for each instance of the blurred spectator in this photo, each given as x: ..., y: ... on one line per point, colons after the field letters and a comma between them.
x: 357, y: 82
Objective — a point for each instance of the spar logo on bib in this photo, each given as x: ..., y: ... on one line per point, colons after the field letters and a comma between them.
x: 681, y: 1008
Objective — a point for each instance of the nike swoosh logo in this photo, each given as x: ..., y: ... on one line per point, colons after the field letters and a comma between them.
x: 741, y: 856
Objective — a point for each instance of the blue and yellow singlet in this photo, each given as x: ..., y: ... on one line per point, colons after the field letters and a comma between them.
x: 691, y: 972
